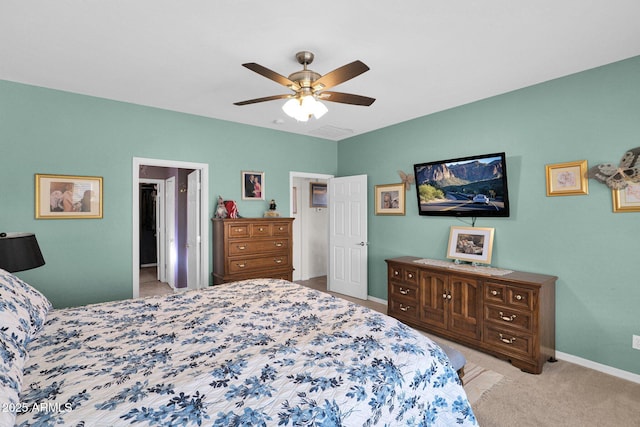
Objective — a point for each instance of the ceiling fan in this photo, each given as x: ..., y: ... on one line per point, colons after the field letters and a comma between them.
x: 310, y: 87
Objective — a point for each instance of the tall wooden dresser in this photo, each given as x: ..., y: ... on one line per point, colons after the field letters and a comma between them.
x: 249, y: 248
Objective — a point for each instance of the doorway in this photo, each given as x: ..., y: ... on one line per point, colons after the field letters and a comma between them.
x: 180, y: 255
x: 310, y: 228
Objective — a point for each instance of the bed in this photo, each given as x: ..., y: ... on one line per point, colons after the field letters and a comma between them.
x: 251, y: 353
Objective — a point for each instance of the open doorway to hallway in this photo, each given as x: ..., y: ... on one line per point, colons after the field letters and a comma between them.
x: 177, y: 213
x: 310, y: 228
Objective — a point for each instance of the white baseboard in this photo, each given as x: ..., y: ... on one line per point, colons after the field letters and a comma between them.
x: 629, y: 376
x: 378, y: 300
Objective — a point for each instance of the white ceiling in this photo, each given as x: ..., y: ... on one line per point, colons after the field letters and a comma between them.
x: 425, y: 55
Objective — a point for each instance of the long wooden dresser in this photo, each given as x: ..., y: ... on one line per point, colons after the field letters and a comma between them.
x: 249, y: 248
x: 511, y: 316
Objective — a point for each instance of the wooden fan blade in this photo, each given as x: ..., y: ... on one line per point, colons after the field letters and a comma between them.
x: 278, y: 78
x: 340, y: 75
x: 266, y: 98
x: 346, y: 98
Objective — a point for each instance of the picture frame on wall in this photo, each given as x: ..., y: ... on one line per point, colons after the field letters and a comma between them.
x: 318, y: 195
x: 390, y: 199
x: 626, y: 199
x: 472, y: 244
x: 68, y: 197
x: 567, y: 179
x: 252, y: 185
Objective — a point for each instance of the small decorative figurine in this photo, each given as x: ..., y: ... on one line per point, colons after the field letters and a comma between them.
x: 272, y: 212
x: 221, y: 211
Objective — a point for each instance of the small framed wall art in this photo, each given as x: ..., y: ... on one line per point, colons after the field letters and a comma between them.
x: 627, y: 199
x: 252, y: 185
x: 318, y: 192
x: 68, y: 197
x: 567, y: 179
x: 390, y: 199
x: 473, y: 244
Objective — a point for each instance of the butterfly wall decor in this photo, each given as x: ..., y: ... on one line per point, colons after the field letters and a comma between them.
x: 407, y: 179
x: 618, y: 177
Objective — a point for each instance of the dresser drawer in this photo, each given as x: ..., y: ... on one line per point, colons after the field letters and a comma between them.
x: 402, y: 308
x: 238, y: 230
x: 509, y: 318
x: 519, y: 297
x: 494, y: 292
x: 260, y: 230
x: 508, y: 341
x: 248, y: 246
x: 403, y: 291
x: 511, y: 295
x: 406, y: 275
x: 281, y: 228
x: 237, y: 265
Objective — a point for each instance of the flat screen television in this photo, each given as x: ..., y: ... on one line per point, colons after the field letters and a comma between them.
x: 474, y: 186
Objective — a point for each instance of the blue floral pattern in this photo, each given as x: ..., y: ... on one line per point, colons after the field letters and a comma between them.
x: 263, y: 352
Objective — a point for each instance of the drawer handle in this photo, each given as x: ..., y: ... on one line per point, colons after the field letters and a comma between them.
x: 277, y: 260
x: 241, y: 248
x: 446, y: 296
x: 260, y: 229
x: 507, y: 340
x: 494, y: 292
x: 281, y: 229
x: 507, y: 318
x: 239, y: 230
x: 410, y: 276
x: 404, y: 291
x: 396, y: 273
x: 519, y: 297
x: 405, y: 307
x: 278, y: 244
x: 243, y: 265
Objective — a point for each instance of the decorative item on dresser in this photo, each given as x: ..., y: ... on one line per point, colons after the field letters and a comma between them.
x: 509, y: 314
x: 248, y: 248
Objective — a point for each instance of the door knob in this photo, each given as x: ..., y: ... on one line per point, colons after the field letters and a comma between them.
x: 363, y: 244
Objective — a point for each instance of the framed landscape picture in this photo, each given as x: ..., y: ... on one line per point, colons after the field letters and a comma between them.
x: 68, y: 197
x: 473, y: 244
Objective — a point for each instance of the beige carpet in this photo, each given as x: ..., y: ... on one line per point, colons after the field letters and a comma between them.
x: 478, y: 381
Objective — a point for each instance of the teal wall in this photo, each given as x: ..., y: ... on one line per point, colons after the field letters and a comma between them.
x: 47, y: 131
x: 591, y: 115
x: 594, y: 115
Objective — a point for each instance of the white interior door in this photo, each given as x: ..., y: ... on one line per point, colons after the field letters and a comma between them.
x: 193, y: 230
x: 348, y: 252
x: 170, y: 217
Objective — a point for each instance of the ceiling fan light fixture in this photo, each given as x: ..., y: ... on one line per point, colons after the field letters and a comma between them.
x: 303, y: 108
x: 320, y: 109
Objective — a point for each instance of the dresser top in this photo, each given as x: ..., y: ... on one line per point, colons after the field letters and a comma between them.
x: 513, y: 276
x: 260, y: 219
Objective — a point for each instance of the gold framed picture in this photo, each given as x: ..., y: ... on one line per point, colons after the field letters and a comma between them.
x: 68, y: 197
x: 474, y: 244
x: 390, y: 199
x: 567, y: 179
x: 627, y: 199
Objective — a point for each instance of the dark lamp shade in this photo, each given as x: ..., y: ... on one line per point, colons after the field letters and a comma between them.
x: 19, y: 252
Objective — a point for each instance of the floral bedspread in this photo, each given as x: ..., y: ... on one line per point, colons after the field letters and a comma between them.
x: 259, y: 352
